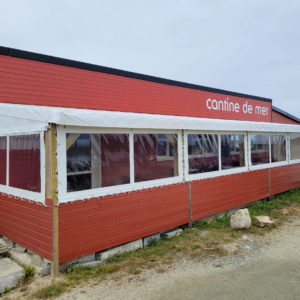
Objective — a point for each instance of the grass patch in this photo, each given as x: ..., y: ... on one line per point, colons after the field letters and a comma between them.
x: 51, y: 291
x: 272, y: 207
x: 28, y: 275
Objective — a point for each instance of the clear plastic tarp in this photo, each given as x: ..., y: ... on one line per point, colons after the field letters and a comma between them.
x: 259, y: 149
x: 278, y: 147
x: 24, y: 162
x: 155, y: 156
x: 203, y: 153
x: 295, y: 146
x: 232, y: 151
x: 3, y: 156
x: 97, y: 160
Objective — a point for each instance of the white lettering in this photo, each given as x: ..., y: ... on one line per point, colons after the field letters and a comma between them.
x: 214, y: 104
x: 207, y: 103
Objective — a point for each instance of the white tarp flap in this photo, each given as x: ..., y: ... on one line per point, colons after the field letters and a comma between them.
x: 14, y: 125
x: 38, y: 117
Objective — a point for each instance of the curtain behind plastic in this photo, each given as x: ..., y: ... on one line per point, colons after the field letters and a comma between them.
x: 232, y: 151
x: 278, y: 147
x: 295, y: 146
x: 3, y: 150
x: 24, y: 162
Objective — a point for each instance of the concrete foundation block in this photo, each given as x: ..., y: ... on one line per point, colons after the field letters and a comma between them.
x: 89, y: 264
x: 104, y: 255
x: 80, y: 260
x: 10, y: 274
x: 150, y: 238
x: 27, y: 258
x: 171, y: 233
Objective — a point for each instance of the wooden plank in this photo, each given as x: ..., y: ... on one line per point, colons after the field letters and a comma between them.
x: 51, y: 190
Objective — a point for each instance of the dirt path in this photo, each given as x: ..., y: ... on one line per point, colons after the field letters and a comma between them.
x: 268, y: 269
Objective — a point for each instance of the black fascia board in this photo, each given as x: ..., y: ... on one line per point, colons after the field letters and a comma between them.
x: 285, y: 114
x: 96, y: 68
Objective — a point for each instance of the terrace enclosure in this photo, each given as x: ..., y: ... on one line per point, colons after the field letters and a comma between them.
x: 93, y: 157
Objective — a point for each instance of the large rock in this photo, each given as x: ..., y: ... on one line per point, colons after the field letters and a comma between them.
x: 263, y: 221
x: 241, y: 219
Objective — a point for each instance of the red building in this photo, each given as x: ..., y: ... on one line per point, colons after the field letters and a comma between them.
x: 93, y: 157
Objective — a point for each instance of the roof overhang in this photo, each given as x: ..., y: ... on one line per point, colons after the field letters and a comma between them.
x: 18, y: 118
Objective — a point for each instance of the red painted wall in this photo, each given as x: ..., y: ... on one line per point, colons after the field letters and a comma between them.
x: 285, y: 178
x: 215, y: 195
x: 31, y: 82
x: 27, y: 223
x: 96, y: 224
x: 279, y: 118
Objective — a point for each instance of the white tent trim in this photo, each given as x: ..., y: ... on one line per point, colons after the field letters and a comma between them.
x: 19, y: 118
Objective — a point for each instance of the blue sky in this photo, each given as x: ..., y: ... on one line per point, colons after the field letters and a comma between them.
x: 251, y: 47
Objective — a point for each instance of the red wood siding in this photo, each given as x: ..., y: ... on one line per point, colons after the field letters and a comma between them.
x: 215, y: 195
x: 96, y: 224
x: 279, y: 118
x: 285, y: 178
x: 31, y: 82
x: 27, y: 223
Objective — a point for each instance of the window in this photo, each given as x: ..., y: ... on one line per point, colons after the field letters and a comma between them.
x: 24, y: 162
x: 148, y: 149
x: 203, y: 153
x: 278, y: 147
x: 259, y: 149
x: 3, y: 155
x: 295, y: 146
x: 97, y: 160
x: 164, y: 147
x: 232, y: 151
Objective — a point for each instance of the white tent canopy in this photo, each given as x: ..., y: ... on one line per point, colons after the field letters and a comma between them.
x: 19, y: 118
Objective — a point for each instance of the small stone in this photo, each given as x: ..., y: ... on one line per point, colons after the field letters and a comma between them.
x: 204, y: 233
x: 178, y: 231
x: 246, y: 238
x: 232, y: 248
x: 171, y: 233
x: 263, y: 221
x: 285, y: 211
x: 241, y: 219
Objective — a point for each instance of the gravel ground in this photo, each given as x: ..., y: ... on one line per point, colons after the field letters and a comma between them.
x: 268, y: 268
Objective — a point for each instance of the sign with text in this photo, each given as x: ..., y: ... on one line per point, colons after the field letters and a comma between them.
x: 220, y: 106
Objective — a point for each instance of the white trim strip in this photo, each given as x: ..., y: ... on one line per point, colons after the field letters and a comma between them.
x: 42, y: 115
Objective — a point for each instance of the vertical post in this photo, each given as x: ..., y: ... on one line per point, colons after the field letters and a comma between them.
x: 270, y: 159
x: 190, y: 205
x: 51, y: 191
x: 269, y: 198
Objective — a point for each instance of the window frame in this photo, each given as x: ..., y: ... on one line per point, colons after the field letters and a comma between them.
x: 30, y: 195
x: 64, y: 196
x: 220, y: 172
x: 270, y: 164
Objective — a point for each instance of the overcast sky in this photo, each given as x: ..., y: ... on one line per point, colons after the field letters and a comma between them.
x: 251, y: 47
